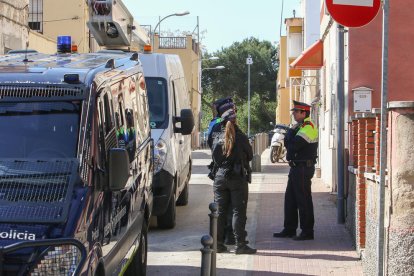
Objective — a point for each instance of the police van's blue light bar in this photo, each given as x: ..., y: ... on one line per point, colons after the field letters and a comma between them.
x: 64, y: 44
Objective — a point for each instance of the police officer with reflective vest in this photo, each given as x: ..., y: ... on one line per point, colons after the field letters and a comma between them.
x: 301, y: 142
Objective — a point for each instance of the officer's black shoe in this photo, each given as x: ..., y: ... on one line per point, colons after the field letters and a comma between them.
x: 230, y: 240
x: 284, y: 234
x: 303, y: 237
x: 221, y: 248
x: 244, y: 249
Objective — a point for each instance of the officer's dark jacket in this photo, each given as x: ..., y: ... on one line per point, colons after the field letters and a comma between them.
x: 302, y: 142
x: 242, y: 152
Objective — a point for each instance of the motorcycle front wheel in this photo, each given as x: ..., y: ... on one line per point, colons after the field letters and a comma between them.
x: 273, y: 154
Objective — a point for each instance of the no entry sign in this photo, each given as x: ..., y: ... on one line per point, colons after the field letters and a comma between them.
x: 353, y: 13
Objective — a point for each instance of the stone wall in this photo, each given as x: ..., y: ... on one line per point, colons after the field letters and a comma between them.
x: 400, y: 253
x: 14, y: 30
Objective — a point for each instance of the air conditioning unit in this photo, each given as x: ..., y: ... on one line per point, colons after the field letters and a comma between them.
x: 110, y: 23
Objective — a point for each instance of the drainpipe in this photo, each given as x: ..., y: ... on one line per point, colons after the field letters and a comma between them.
x: 340, y: 126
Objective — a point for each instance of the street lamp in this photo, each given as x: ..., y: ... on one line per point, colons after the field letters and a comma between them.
x: 159, y: 22
x: 219, y: 67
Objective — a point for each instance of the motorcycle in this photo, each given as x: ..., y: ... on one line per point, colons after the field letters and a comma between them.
x: 277, y: 145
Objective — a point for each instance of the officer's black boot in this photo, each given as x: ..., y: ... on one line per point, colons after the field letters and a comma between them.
x: 221, y: 248
x: 243, y: 248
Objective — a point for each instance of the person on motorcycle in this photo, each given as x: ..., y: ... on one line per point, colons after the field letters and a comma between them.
x: 301, y: 142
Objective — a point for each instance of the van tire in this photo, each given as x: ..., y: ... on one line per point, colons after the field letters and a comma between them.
x: 138, y: 266
x: 167, y: 220
x: 183, y: 198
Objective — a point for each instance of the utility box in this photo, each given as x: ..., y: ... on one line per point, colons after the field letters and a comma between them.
x: 362, y: 99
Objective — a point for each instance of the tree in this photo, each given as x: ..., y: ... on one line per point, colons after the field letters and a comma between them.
x: 232, y: 81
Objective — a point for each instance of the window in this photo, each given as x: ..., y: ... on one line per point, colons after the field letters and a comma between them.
x: 108, y: 118
x: 36, y: 15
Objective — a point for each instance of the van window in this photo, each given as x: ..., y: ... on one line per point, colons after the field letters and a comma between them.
x: 108, y: 118
x: 158, y: 102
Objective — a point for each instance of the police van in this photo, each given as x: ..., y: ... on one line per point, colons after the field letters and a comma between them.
x: 76, y: 155
x: 75, y: 164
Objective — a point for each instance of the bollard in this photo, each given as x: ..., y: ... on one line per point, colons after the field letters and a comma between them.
x: 207, y: 242
x: 213, y: 233
x: 256, y: 163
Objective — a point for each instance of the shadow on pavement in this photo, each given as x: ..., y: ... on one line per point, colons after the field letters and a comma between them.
x: 191, y: 271
x: 200, y: 155
x: 329, y: 257
x: 200, y: 169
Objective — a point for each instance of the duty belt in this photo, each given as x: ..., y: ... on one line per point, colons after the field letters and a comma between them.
x: 306, y: 163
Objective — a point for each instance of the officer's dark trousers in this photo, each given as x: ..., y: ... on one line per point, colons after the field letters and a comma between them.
x: 232, y: 190
x: 298, y: 197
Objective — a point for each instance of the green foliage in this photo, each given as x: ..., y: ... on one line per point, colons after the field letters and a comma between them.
x: 232, y: 81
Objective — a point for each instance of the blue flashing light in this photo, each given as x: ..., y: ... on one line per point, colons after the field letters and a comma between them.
x: 64, y: 44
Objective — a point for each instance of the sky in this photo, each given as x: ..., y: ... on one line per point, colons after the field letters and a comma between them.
x: 225, y: 21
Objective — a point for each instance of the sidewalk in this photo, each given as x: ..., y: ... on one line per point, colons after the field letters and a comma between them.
x: 176, y: 252
x: 331, y: 253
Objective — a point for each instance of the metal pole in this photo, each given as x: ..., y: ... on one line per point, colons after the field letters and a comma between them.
x: 206, y: 241
x: 213, y: 233
x: 340, y: 127
x: 248, y: 99
x: 383, y: 145
x: 281, y: 16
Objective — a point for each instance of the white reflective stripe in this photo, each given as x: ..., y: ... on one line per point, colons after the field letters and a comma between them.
x: 307, y: 138
x: 361, y: 3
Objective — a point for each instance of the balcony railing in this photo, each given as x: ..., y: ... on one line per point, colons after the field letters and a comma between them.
x: 173, y: 43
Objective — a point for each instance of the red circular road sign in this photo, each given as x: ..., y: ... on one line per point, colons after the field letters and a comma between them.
x: 353, y: 13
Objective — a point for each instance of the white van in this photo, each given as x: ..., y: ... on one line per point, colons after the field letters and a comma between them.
x: 171, y: 121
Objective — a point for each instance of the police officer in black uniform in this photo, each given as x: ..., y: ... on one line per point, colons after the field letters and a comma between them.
x: 301, y: 142
x: 230, y: 184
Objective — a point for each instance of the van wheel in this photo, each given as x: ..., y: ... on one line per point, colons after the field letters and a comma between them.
x: 138, y: 266
x: 167, y: 220
x: 183, y: 198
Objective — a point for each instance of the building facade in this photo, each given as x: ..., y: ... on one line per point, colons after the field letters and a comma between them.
x: 14, y: 31
x: 289, y: 79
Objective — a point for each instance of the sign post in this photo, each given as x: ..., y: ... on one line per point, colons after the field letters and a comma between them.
x: 357, y: 13
x: 249, y: 61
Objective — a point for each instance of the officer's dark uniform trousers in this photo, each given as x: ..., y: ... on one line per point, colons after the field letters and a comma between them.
x: 234, y: 190
x: 298, y: 196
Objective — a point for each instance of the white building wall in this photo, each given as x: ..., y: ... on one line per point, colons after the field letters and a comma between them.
x: 311, y: 9
x: 13, y: 21
x: 328, y: 108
